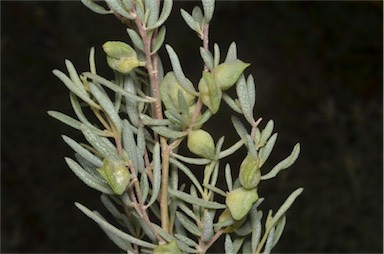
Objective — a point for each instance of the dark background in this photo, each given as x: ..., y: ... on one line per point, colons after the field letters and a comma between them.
x: 318, y: 72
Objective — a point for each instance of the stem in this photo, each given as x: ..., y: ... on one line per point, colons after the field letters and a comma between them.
x: 151, y: 65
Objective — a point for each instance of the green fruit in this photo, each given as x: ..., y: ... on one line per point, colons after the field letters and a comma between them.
x: 201, y: 143
x: 226, y: 74
x: 240, y: 201
x: 210, y: 92
x: 249, y: 175
x: 120, y: 56
x: 169, y: 89
x: 116, y: 174
x: 168, y: 248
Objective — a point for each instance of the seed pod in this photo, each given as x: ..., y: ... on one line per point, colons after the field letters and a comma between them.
x: 116, y: 174
x: 210, y: 92
x: 170, y: 247
x: 169, y: 89
x: 249, y: 175
x: 239, y: 201
x: 120, y: 56
x: 226, y: 74
x: 201, y: 143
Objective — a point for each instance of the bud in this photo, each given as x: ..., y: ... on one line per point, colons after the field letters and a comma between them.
x: 249, y: 175
x: 169, y: 89
x: 210, y: 92
x: 226, y: 74
x: 201, y: 143
x: 120, y: 56
x: 170, y: 247
x: 240, y: 201
x: 116, y: 174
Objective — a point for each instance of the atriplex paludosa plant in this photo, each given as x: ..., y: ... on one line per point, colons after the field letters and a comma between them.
x: 132, y: 153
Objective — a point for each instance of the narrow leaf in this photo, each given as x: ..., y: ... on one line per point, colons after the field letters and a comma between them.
x: 239, y: 127
x: 196, y: 201
x: 107, y: 105
x: 87, y: 178
x: 283, y: 164
x: 179, y: 72
x: 268, y: 244
x: 232, y: 53
x: 231, y: 103
x: 228, y: 245
x: 207, y: 233
x: 130, y: 145
x: 95, y: 7
x: 285, y: 206
x: 207, y: 58
x: 118, y: 7
x: 190, y: 21
x: 167, y: 8
x: 251, y: 91
x: 244, y: 99
x: 65, y: 119
x: 279, y: 230
x: 159, y: 40
x: 110, y: 206
x: 228, y: 176
x: 83, y: 152
x: 169, y: 133
x: 209, y: 7
x: 188, y: 224
x: 116, y: 88
x: 156, y: 174
x: 216, y: 59
x: 266, y: 133
x: 103, y: 223
x: 266, y: 150
x: 136, y: 39
x: 188, y: 173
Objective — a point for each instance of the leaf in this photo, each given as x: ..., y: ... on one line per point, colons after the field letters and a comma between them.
x: 167, y: 8
x: 215, y: 189
x: 83, y: 152
x: 216, y: 59
x: 251, y: 92
x: 188, y: 173
x: 232, y: 53
x: 74, y: 76
x: 87, y: 178
x: 74, y: 88
x: 231, y: 150
x: 106, y: 103
x: 256, y: 217
x: 187, y: 85
x: 159, y: 40
x: 287, y: 162
x: 209, y: 7
x: 207, y: 233
x: 231, y: 103
x: 95, y: 7
x: 156, y: 174
x: 131, y: 105
x: 188, y: 224
x: 186, y: 240
x: 190, y: 21
x: 279, y: 230
x: 228, y: 176
x: 92, y: 65
x: 104, y: 224
x: 266, y: 150
x: 251, y: 146
x: 144, y: 185
x: 110, y: 206
x: 147, y: 120
x: 169, y: 133
x: 285, y: 206
x: 228, y: 245
x: 268, y: 244
x: 130, y: 145
x: 196, y: 201
x: 153, y: 11
x: 79, y: 112
x: 207, y: 58
x: 116, y: 88
x: 119, y: 8
x: 65, y: 119
x: 136, y: 39
x: 244, y: 99
x: 101, y: 144
x: 175, y: 117
x: 239, y: 127
x: 266, y: 133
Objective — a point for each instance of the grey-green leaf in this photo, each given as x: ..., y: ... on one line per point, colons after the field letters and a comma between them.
x: 285, y: 206
x: 156, y: 174
x: 118, y: 7
x: 190, y: 21
x: 136, y: 39
x: 104, y: 224
x: 175, y: 62
x: 283, y: 164
x: 268, y: 244
x: 208, y: 232
x: 87, y: 178
x: 65, y: 119
x: 159, y: 40
x: 239, y: 127
x: 83, y: 152
x: 95, y: 7
x: 209, y: 7
x: 228, y: 245
x: 188, y: 173
x: 207, y: 58
x: 231, y: 103
x: 169, y: 133
x: 107, y: 105
x: 232, y: 53
x: 244, y: 99
x: 130, y: 145
x: 188, y: 224
x: 167, y: 8
x: 196, y: 201
x: 266, y: 150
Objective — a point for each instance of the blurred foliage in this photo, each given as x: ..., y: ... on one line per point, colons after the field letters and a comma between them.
x: 318, y: 71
